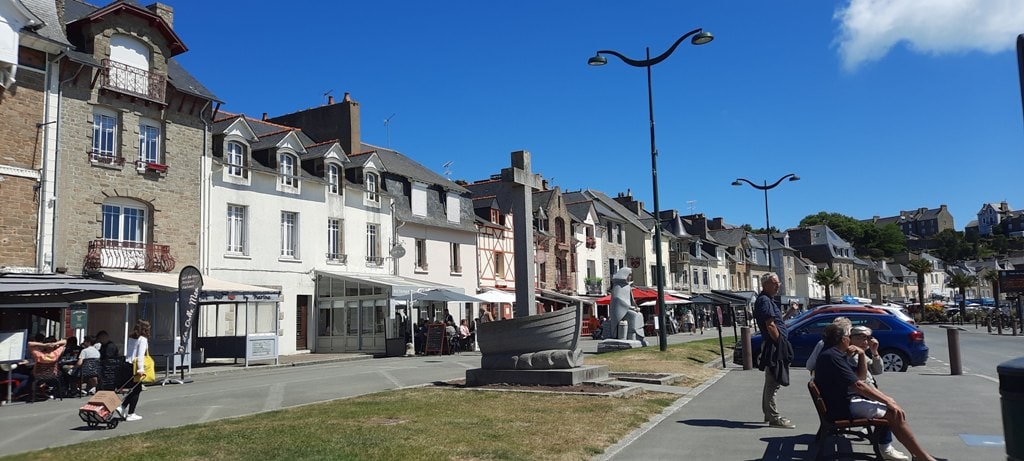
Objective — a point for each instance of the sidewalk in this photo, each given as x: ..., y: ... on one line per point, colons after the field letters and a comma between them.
x: 954, y: 417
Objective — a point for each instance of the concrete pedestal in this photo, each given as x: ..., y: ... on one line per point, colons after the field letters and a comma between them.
x: 609, y: 345
x: 564, y: 377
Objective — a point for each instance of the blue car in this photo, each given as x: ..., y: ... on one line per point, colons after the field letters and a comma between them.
x: 900, y: 344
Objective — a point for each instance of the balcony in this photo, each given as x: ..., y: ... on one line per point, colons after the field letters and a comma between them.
x: 109, y: 254
x: 105, y: 158
x: 562, y: 283
x: 337, y: 258
x: 133, y: 81
x: 374, y: 261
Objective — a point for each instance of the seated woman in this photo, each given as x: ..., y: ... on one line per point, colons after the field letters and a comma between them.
x: 88, y: 366
x: 45, y: 372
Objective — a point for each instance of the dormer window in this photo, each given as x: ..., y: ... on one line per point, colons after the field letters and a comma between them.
x: 287, y: 174
x: 372, y: 183
x: 128, y: 69
x: 236, y: 160
x: 333, y: 179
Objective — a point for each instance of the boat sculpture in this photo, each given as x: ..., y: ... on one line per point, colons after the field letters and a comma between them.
x: 537, y: 342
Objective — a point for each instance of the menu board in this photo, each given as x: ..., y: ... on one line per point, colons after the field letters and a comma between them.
x: 435, y: 338
x: 13, y: 345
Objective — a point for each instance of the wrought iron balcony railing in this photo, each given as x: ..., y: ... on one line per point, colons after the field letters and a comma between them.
x: 133, y: 81
x: 374, y: 261
x: 110, y: 254
x: 340, y: 258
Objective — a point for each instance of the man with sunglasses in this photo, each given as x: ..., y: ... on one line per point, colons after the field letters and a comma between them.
x: 847, y: 395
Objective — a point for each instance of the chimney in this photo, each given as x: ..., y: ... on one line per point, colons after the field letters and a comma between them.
x: 264, y: 116
x: 543, y: 184
x: 330, y: 99
x: 60, y: 13
x: 165, y: 12
x: 350, y: 129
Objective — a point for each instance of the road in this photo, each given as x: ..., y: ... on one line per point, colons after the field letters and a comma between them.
x: 980, y: 352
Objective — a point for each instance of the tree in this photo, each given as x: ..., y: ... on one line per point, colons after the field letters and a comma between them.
x: 867, y: 238
x: 962, y: 282
x: 920, y: 267
x: 828, y: 278
x: 993, y: 278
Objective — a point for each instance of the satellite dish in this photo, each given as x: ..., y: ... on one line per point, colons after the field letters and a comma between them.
x: 397, y: 251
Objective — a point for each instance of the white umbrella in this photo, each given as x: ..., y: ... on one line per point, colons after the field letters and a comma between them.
x: 496, y: 296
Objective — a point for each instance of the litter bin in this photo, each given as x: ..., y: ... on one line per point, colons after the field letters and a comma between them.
x: 1011, y: 392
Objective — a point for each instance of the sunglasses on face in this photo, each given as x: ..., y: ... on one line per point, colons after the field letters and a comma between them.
x: 861, y: 336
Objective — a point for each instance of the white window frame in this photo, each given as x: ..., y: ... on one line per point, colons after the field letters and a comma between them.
x: 333, y: 176
x: 456, y: 258
x: 236, y: 236
x: 287, y: 170
x: 420, y: 250
x: 150, y: 135
x: 372, y: 243
x: 235, y: 159
x: 124, y: 217
x: 289, y: 235
x: 371, y: 181
x: 101, y: 145
x: 335, y: 242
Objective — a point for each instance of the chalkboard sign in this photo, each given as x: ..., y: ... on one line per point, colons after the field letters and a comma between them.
x: 740, y: 314
x: 110, y: 373
x: 435, y: 338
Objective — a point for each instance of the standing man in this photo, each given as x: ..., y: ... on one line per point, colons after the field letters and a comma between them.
x: 776, y: 352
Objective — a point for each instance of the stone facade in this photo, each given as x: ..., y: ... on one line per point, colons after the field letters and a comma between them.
x: 21, y: 107
x: 558, y: 272
x: 171, y: 198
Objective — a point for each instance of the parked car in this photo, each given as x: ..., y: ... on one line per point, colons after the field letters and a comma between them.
x: 898, y: 312
x: 900, y: 344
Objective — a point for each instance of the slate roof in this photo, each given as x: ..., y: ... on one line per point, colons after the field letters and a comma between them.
x: 495, y: 192
x: 578, y: 210
x: 608, y: 206
x: 729, y: 237
x: 399, y: 164
x: 51, y: 28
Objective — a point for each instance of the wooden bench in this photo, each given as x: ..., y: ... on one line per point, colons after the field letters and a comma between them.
x: 860, y: 429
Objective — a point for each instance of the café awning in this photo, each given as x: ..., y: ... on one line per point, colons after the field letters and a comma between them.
x: 31, y: 290
x: 214, y: 290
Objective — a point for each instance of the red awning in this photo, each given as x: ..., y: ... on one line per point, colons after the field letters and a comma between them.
x: 640, y: 296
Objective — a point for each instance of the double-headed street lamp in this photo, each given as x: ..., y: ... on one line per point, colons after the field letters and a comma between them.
x: 699, y: 38
x: 767, y: 222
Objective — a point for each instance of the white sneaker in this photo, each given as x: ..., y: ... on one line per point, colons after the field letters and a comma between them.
x: 892, y: 454
x: 135, y: 417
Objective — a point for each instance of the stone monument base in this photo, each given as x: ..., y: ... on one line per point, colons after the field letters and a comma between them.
x: 609, y: 345
x: 561, y: 377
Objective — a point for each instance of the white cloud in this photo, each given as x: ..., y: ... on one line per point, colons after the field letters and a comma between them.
x: 869, y: 28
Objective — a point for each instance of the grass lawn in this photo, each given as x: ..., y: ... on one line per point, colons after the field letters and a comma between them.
x: 423, y: 423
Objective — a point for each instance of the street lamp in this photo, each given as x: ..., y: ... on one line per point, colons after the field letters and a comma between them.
x: 699, y: 38
x: 767, y: 223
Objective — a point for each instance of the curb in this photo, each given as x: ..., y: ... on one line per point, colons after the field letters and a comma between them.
x: 214, y: 371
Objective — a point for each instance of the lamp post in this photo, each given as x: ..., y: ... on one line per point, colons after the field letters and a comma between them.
x: 767, y: 222
x: 699, y: 38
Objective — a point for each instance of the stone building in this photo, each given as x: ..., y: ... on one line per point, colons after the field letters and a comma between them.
x: 31, y: 39
x: 132, y: 136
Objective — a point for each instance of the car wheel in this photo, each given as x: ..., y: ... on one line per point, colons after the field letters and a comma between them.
x: 894, y: 360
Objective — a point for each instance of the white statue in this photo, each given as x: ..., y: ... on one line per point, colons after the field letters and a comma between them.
x: 622, y: 308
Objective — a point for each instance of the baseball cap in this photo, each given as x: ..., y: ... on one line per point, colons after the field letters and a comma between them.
x: 860, y: 330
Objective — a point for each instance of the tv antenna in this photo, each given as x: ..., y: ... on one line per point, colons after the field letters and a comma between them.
x: 387, y: 127
x: 448, y: 169
x: 327, y: 94
x: 690, y: 205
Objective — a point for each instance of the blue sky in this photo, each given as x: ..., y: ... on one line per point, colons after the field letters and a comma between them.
x: 878, y: 105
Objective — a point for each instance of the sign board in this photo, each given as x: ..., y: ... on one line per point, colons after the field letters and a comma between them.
x: 261, y: 346
x: 13, y: 345
x: 190, y: 283
x: 435, y: 338
x: 79, y: 316
x: 1011, y: 281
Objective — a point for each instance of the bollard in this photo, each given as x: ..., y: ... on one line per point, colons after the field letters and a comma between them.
x: 748, y: 355
x: 988, y: 321
x: 1011, y: 392
x: 953, y: 340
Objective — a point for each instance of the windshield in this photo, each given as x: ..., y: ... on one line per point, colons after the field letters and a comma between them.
x: 797, y: 318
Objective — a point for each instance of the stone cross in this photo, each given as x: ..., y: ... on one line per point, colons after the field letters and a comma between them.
x: 523, y: 182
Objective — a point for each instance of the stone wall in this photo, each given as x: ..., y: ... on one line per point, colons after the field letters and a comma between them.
x: 21, y: 107
x: 172, y: 198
